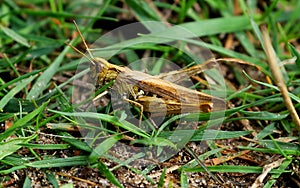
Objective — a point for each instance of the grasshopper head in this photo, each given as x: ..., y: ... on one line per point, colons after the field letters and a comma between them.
x: 101, y: 72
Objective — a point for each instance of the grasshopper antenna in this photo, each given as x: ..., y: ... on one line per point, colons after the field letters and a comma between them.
x: 86, y: 46
x: 81, y: 36
x: 75, y: 49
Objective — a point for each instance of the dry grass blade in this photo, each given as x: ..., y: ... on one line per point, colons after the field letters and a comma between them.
x: 267, y: 168
x: 278, y: 77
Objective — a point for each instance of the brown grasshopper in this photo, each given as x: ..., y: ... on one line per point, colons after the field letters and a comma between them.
x: 158, y: 91
x: 161, y: 91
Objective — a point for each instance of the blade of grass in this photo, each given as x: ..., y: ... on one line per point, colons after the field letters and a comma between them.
x: 142, y: 10
x: 46, y: 146
x: 11, y: 146
x: 103, y: 147
x: 272, y: 144
x: 213, y: 134
x: 41, y: 83
x: 108, y: 174
x: 184, y: 179
x: 155, y: 141
x: 295, y: 53
x: 217, y: 135
x: 235, y: 169
x: 293, y: 19
x: 194, y: 163
x: 108, y: 118
x: 59, y: 162
x: 269, y: 9
x: 189, y: 30
x: 27, y: 182
x: 122, y: 162
x: 272, y: 151
x: 162, y: 178
x: 217, y: 25
x: 203, y: 166
x: 275, y: 176
x: 22, y: 122
x: 22, y: 77
x: 15, y: 36
x: 279, y: 78
x: 8, y: 171
x: 297, y: 99
x: 266, y: 131
x: 60, y: 14
x: 246, y: 43
x: 16, y: 160
x: 176, y: 34
x: 23, y: 83
x: 264, y: 115
x: 185, y: 7
x: 74, y: 142
x: 52, y: 179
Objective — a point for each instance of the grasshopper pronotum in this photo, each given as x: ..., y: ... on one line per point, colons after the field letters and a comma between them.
x: 158, y: 91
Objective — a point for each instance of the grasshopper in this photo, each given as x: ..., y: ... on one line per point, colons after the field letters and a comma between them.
x: 161, y: 91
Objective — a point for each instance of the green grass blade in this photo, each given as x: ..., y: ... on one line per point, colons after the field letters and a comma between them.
x: 108, y: 118
x: 108, y: 174
x: 200, y: 135
x: 264, y: 115
x: 162, y: 178
x: 103, y: 147
x: 143, y: 11
x: 74, y: 142
x: 46, y: 146
x: 42, y: 82
x: 22, y: 122
x: 217, y: 25
x: 184, y: 182
x: 23, y: 84
x: 272, y: 151
x: 282, y: 145
x: 235, y: 169
x: 295, y: 53
x: 59, y: 162
x: 294, y: 97
x: 8, y: 171
x: 15, y: 36
x: 27, y: 182
x: 194, y: 162
x: 275, y: 176
x: 20, y: 78
x: 246, y: 43
x: 11, y: 146
x: 62, y: 14
x: 52, y: 179
x: 257, y: 32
